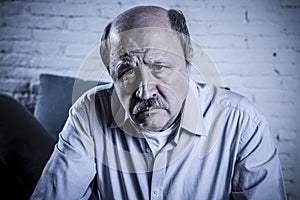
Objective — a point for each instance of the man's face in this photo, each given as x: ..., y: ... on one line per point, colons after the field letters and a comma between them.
x: 151, y: 83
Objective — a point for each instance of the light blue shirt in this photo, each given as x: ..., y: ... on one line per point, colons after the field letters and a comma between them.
x: 221, y: 150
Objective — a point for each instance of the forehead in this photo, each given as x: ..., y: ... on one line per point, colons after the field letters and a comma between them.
x: 134, y: 40
x: 148, y: 56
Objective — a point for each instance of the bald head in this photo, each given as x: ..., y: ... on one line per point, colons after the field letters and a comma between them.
x: 142, y: 16
x: 146, y: 17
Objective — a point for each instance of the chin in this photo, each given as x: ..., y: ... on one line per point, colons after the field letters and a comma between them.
x: 150, y: 124
x: 152, y: 129
x: 155, y: 120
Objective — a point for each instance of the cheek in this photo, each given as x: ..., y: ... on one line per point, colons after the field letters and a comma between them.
x: 175, y: 87
x: 173, y: 97
x: 123, y: 95
x: 127, y: 86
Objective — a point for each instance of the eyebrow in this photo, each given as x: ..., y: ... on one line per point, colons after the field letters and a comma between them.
x: 122, y: 65
x: 124, y: 62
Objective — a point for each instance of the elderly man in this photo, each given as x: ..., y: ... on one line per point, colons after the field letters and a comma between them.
x: 156, y: 134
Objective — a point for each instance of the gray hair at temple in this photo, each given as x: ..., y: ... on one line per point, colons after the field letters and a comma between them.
x: 178, y: 24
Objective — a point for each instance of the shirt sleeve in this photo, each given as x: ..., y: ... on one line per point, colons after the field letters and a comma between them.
x: 257, y: 173
x: 71, y: 167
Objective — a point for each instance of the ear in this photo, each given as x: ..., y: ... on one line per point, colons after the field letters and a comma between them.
x: 190, y: 54
x: 188, y: 67
x: 189, y: 58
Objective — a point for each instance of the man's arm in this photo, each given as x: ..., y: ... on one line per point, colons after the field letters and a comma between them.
x: 257, y: 171
x: 71, y: 168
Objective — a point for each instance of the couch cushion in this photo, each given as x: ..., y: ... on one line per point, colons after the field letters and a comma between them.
x: 25, y: 147
x: 55, y: 99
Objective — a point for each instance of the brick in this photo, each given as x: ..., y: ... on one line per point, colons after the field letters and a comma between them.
x: 220, y: 41
x: 5, y: 71
x: 287, y: 69
x: 290, y: 14
x: 5, y: 46
x: 288, y: 134
x: 76, y: 24
x: 280, y: 110
x: 286, y: 147
x: 109, y: 12
x: 234, y: 80
x: 289, y: 3
x: 288, y: 173
x: 253, y: 56
x: 287, y: 54
x: 267, y: 82
x: 268, y: 42
x: 16, y: 59
x: 290, y: 83
x: 77, y: 1
x: 240, y: 28
x: 8, y: 33
x: 63, y: 9
x: 66, y: 36
x: 56, y: 63
x: 245, y: 69
x: 203, y: 5
x: 42, y: 22
x: 282, y: 16
x: 9, y: 8
x: 293, y: 190
x: 90, y: 24
x: 16, y: 21
x: 248, y: 42
x: 78, y: 50
x: 193, y: 14
x: 231, y: 5
x: 292, y: 28
x: 116, y: 3
x: 287, y: 158
x: 48, y: 1
x: 275, y: 95
x: 37, y: 48
x: 22, y: 73
x: 13, y: 85
x: 278, y: 122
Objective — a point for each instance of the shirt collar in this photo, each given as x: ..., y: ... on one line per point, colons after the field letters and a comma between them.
x: 191, y: 119
x: 119, y: 116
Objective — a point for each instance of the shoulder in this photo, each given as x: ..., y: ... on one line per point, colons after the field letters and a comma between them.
x: 238, y: 117
x: 237, y: 107
x: 87, y: 102
x: 84, y: 113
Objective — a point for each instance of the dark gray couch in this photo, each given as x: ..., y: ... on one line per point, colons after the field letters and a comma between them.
x: 26, y: 140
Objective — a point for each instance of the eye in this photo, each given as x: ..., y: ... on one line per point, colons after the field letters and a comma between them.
x: 126, y: 72
x: 157, y: 68
x: 129, y: 71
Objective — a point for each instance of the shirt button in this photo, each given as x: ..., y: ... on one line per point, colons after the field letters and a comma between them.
x: 155, y: 192
x: 148, y: 150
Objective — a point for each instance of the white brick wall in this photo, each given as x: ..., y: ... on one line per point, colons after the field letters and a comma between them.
x: 255, y: 45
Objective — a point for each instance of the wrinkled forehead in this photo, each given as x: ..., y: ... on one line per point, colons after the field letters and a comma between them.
x: 139, y: 39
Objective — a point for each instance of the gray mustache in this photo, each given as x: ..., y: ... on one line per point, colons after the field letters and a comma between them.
x: 146, y: 104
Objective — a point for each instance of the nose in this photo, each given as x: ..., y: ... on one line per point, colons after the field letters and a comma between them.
x: 146, y: 86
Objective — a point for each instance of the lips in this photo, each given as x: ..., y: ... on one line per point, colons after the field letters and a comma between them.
x: 148, y: 110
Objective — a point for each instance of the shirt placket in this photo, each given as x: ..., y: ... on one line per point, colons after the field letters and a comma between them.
x: 158, y: 176
x: 158, y: 166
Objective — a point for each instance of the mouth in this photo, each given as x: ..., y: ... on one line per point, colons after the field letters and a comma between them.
x: 147, y: 111
x: 149, y: 106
